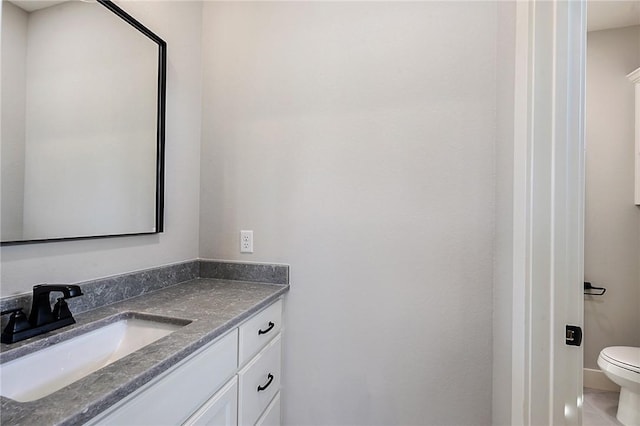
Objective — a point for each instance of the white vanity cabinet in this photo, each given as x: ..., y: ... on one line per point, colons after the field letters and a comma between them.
x: 234, y: 380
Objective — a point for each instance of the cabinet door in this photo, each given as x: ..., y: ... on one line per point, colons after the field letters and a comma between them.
x: 220, y: 410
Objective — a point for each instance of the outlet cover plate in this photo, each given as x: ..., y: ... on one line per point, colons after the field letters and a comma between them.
x: 246, y: 241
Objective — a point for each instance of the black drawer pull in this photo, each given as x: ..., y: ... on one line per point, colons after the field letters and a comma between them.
x: 261, y: 388
x: 268, y: 329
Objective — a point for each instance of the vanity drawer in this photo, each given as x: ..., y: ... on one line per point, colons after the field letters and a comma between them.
x: 176, y: 395
x: 258, y: 330
x: 258, y: 383
x: 271, y: 416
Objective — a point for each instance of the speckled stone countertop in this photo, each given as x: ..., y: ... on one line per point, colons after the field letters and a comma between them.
x: 213, y: 306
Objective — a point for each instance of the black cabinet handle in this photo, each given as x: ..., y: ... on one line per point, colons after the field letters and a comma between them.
x: 261, y: 388
x: 266, y: 330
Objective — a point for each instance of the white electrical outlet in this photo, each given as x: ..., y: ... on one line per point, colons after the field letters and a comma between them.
x: 246, y: 241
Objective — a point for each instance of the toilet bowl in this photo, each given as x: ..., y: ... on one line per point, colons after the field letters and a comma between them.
x: 621, y: 364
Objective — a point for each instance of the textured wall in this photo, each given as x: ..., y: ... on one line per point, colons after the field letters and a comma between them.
x: 179, y: 24
x: 612, y: 228
x: 357, y: 141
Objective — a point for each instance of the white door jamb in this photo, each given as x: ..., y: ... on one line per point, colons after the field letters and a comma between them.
x: 548, y: 211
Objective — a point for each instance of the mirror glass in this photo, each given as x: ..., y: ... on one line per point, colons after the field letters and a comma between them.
x: 82, y: 122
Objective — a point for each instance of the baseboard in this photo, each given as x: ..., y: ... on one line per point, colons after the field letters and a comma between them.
x: 595, y: 379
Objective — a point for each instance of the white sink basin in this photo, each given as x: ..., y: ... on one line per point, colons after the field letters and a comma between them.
x: 41, y: 373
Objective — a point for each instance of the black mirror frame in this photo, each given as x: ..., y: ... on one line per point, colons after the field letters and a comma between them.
x: 160, y: 132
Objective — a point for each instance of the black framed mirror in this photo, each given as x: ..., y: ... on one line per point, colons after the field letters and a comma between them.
x: 83, y: 122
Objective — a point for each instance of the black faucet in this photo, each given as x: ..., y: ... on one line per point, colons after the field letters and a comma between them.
x: 41, y: 318
x: 41, y: 313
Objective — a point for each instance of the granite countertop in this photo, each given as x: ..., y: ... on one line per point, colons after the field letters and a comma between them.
x: 213, y: 306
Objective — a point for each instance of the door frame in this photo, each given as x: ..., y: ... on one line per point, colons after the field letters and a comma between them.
x: 548, y: 211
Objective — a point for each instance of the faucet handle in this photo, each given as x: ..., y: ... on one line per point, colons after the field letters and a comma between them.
x: 11, y: 311
x: 17, y: 322
x: 61, y: 309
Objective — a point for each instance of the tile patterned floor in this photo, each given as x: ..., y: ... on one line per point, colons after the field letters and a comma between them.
x: 599, y: 408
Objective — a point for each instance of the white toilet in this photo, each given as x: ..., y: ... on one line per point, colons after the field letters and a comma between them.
x: 621, y: 364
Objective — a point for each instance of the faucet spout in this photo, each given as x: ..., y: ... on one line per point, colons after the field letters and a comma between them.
x: 69, y: 290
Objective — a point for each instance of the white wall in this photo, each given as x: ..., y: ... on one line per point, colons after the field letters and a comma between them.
x: 503, y: 239
x: 357, y: 141
x: 179, y: 24
x: 612, y: 230
x: 14, y: 46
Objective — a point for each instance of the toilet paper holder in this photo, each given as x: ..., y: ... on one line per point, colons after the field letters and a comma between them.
x: 591, y: 290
